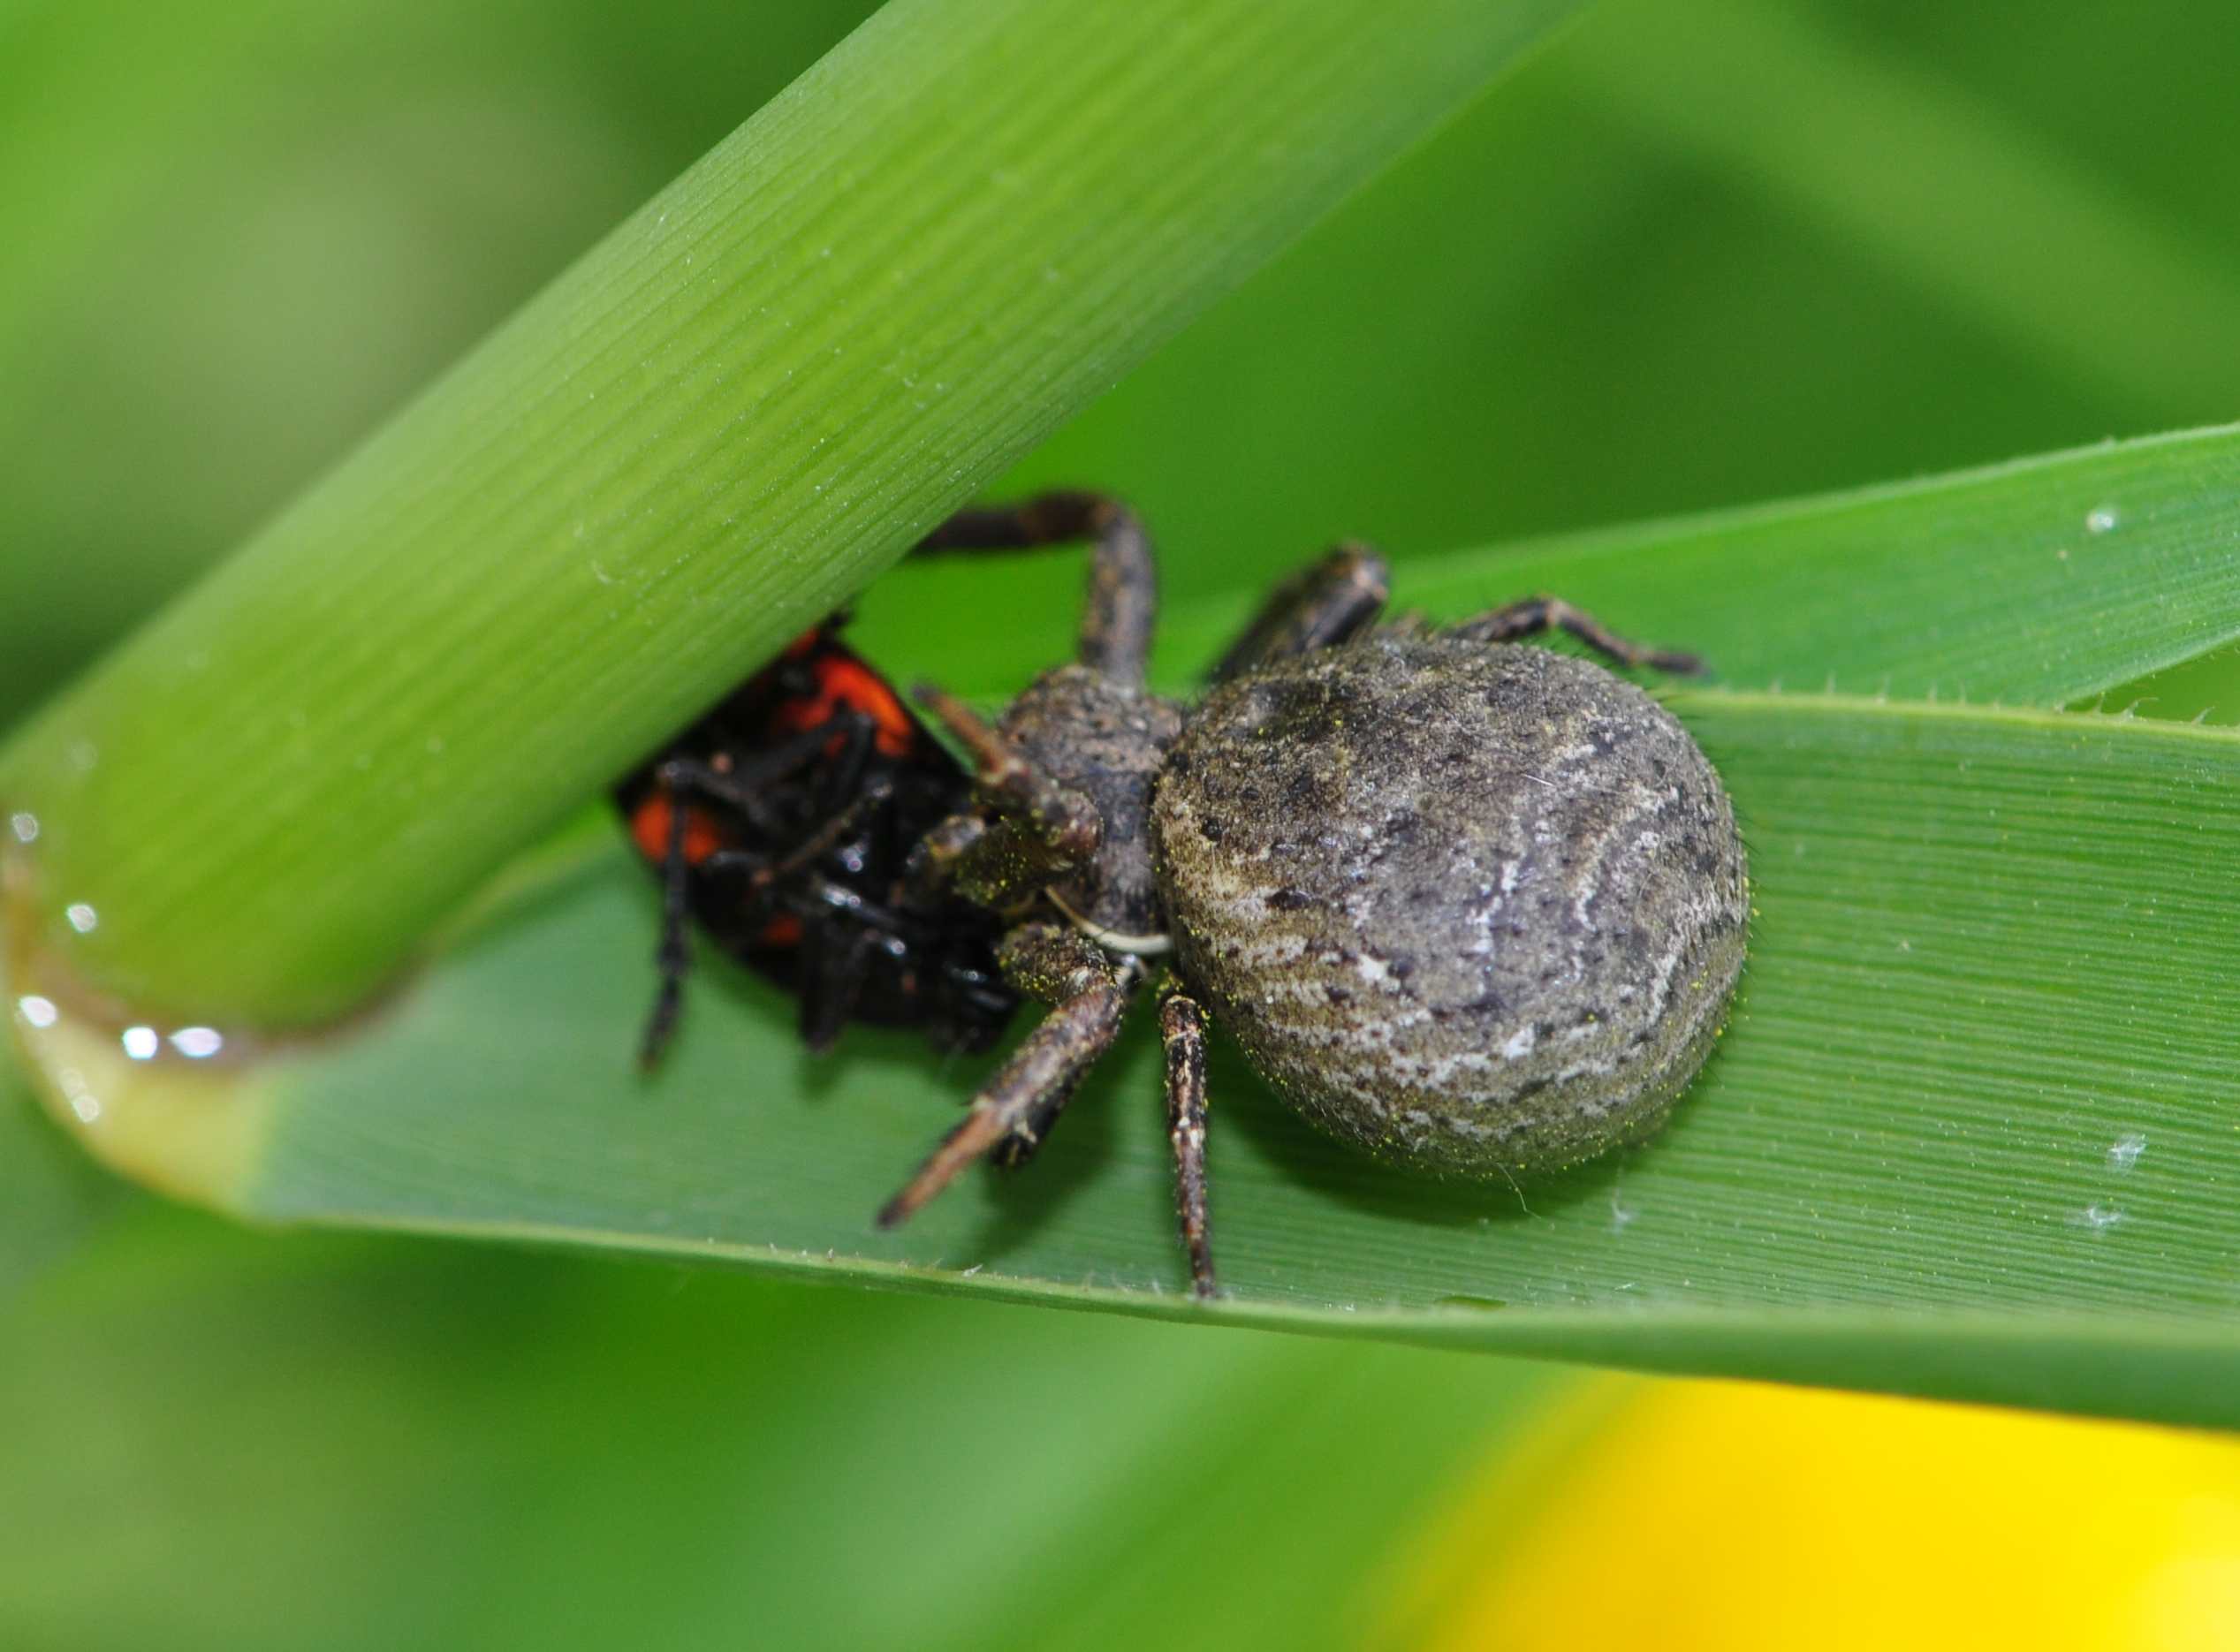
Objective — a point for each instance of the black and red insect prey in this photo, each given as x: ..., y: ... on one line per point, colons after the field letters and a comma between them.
x: 782, y: 822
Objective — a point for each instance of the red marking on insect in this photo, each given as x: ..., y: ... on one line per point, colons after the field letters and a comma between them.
x: 651, y: 822
x: 845, y: 684
x: 783, y: 930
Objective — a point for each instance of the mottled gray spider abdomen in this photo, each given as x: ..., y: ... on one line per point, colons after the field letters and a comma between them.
x: 1477, y: 908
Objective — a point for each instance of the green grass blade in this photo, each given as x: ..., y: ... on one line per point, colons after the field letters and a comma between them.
x: 2042, y: 582
x: 1813, y: 116
x: 963, y: 224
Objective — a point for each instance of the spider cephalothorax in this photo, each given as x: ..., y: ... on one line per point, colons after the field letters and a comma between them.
x: 1476, y: 908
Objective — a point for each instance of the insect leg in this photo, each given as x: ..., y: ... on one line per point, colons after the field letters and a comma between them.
x: 1334, y: 599
x: 1182, y: 1033
x: 848, y: 759
x: 1536, y: 614
x: 821, y: 842
x: 741, y: 787
x: 834, y: 954
x: 742, y: 784
x: 1089, y: 993
x: 672, y: 956
x: 1123, y: 582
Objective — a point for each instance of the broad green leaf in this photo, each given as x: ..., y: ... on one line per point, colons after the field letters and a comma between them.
x: 1813, y: 121
x: 52, y: 1196
x: 1970, y: 1130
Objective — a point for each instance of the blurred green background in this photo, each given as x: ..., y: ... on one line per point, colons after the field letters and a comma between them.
x: 1688, y: 257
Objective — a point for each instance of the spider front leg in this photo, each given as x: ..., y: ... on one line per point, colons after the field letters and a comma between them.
x: 1088, y: 994
x: 1536, y: 614
x: 1123, y: 585
x: 1333, y: 601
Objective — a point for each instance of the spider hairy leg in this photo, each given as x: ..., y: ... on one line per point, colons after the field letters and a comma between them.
x: 1332, y: 601
x: 1090, y: 994
x: 1123, y: 585
x: 1536, y: 614
x: 1182, y: 1035
x: 1027, y: 1136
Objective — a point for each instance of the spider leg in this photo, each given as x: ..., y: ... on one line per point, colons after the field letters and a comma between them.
x: 1182, y: 1033
x: 1028, y: 1135
x: 1410, y: 622
x: 1334, y: 599
x: 1123, y: 584
x: 1088, y: 994
x: 1536, y: 614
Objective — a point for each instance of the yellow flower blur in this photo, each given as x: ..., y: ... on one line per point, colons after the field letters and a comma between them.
x: 1682, y: 1515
